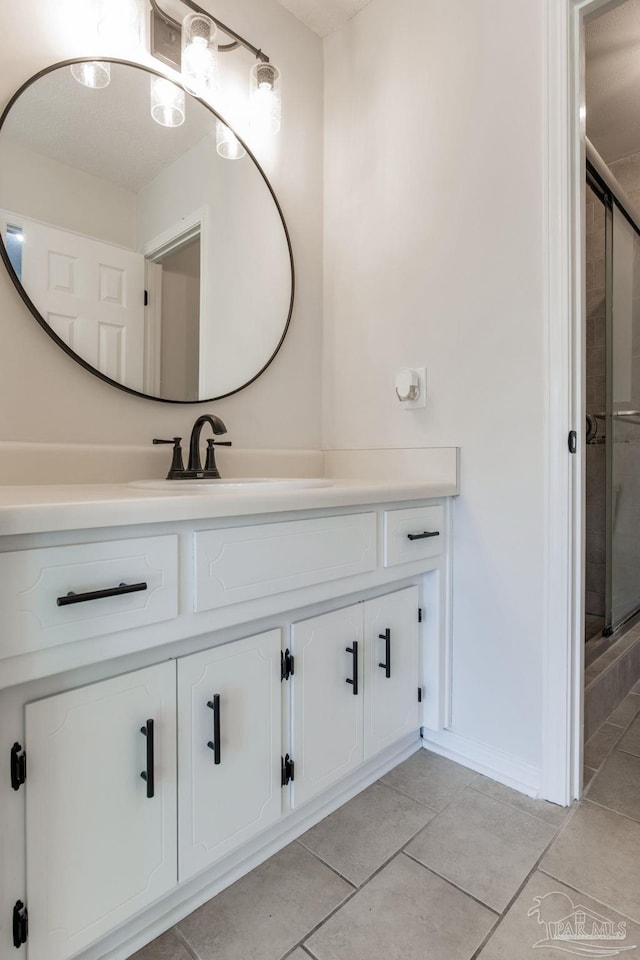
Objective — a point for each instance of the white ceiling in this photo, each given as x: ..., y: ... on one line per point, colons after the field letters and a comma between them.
x: 613, y: 81
x: 324, y: 16
x: 110, y: 132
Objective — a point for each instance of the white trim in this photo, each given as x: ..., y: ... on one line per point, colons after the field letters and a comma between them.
x: 187, y: 897
x: 492, y: 763
x: 153, y: 328
x: 7, y: 217
x: 175, y: 236
x: 195, y: 224
x: 563, y: 644
x: 557, y: 740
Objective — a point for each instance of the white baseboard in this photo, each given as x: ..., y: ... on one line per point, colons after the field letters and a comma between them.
x: 186, y: 898
x: 492, y: 763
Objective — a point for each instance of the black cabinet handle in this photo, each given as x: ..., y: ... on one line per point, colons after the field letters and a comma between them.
x: 148, y: 775
x: 386, y: 636
x: 215, y: 743
x: 354, y: 681
x: 119, y: 591
x: 423, y: 536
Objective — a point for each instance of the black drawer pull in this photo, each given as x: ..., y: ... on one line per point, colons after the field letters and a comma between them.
x: 119, y: 591
x: 354, y: 681
x: 423, y: 536
x: 386, y: 636
x: 148, y: 775
x: 215, y: 743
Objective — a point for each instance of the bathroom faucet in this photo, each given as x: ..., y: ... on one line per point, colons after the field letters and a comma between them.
x: 194, y: 468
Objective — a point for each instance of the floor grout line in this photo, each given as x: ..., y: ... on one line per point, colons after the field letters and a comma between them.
x: 308, y: 952
x: 618, y: 813
x: 614, y: 745
x: 583, y: 893
x: 451, y: 883
x: 410, y: 797
x: 326, y: 863
x: 398, y: 852
x: 180, y: 937
x: 536, y: 867
x: 298, y: 946
x: 470, y: 785
x: 512, y: 806
x: 389, y: 786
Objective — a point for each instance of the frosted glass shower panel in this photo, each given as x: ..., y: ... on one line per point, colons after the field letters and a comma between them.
x: 623, y: 420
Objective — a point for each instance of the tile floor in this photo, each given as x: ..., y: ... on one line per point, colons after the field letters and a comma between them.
x: 435, y: 861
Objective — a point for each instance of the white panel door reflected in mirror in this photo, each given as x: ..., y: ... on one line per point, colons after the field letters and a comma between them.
x: 160, y: 266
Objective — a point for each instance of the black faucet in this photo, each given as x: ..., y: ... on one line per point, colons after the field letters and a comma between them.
x: 195, y: 470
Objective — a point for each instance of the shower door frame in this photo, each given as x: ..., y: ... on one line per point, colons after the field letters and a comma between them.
x: 614, y: 206
x: 565, y: 410
x: 604, y: 195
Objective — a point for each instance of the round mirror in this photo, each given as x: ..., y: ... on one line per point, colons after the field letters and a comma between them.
x: 152, y: 259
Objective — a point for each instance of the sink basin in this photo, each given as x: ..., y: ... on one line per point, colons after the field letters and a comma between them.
x: 232, y: 485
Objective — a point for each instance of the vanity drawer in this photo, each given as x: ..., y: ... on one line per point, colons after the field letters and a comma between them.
x: 414, y: 534
x: 114, y: 586
x: 244, y: 563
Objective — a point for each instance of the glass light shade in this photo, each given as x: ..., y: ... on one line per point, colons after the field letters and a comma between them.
x: 199, y: 54
x: 227, y: 144
x: 265, y: 99
x: 119, y: 23
x: 94, y: 74
x: 167, y: 102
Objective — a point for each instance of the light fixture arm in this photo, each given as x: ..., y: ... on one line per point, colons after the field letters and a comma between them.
x: 238, y: 40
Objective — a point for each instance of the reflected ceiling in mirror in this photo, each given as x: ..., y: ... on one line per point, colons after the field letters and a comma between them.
x: 158, y: 265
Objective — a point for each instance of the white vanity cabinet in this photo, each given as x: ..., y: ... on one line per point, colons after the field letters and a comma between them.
x: 101, y: 840
x: 326, y: 695
x: 392, y: 692
x: 229, y: 745
x: 258, y: 671
x: 356, y: 687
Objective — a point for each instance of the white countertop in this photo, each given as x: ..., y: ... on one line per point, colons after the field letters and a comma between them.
x: 45, y: 509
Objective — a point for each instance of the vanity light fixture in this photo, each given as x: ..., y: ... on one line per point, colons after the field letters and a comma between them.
x: 167, y: 102
x: 227, y: 144
x: 265, y: 100
x: 199, y: 54
x: 191, y: 46
x: 95, y: 74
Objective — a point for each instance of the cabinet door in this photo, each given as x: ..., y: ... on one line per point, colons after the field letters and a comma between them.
x: 327, y: 705
x: 391, y: 669
x: 229, y: 737
x: 99, y: 849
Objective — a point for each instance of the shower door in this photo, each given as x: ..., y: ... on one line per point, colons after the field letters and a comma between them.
x: 622, y: 418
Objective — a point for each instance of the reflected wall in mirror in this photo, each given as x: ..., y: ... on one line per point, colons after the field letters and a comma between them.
x: 160, y: 266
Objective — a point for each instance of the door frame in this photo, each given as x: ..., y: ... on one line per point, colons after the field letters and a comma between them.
x: 565, y: 348
x: 193, y: 225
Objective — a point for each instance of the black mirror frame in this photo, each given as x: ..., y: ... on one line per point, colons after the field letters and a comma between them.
x: 38, y: 316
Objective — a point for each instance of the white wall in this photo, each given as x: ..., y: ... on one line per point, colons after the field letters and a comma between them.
x: 43, y: 394
x: 246, y: 289
x: 43, y: 189
x: 434, y: 255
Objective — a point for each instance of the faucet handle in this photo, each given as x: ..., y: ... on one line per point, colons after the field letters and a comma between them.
x: 177, y: 464
x: 210, y: 461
